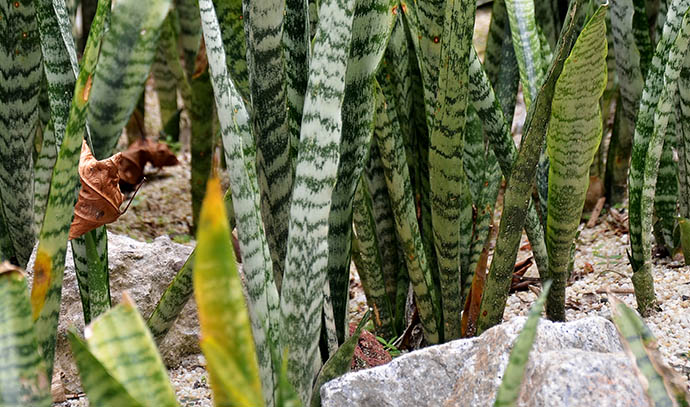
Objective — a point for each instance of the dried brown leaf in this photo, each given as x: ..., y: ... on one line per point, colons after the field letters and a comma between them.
x: 100, y: 196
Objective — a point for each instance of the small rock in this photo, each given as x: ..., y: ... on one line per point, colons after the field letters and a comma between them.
x: 567, y: 363
x: 144, y: 270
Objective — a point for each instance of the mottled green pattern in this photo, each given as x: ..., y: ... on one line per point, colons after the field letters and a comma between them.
x: 50, y: 256
x: 124, y: 347
x: 390, y: 143
x: 90, y: 254
x: 371, y: 27
x: 316, y: 172
x: 263, y: 23
x: 683, y: 132
x: 126, y: 55
x: 498, y: 132
x: 494, y: 40
x: 296, y: 48
x: 43, y: 171
x: 391, y: 261
x: 23, y: 381
x: 263, y: 297
x: 519, y: 186
x: 572, y: 140
x: 528, y: 49
x: 20, y: 82
x: 232, y: 31
x: 367, y: 258
x: 99, y: 385
x: 172, y: 301
x: 663, y: 387
x: 451, y: 202
x: 631, y: 82
x: 190, y: 31
x: 509, y: 390
x: 665, y: 109
x: 640, y: 257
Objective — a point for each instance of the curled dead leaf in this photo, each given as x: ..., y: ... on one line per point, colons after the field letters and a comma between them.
x: 136, y: 156
x: 100, y: 196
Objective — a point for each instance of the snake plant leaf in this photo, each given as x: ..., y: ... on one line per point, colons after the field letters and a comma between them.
x: 572, y: 140
x: 339, y: 363
x: 125, y: 349
x: 390, y: 144
x: 663, y: 386
x: 664, y: 112
x: 388, y: 247
x: 451, y: 201
x: 494, y: 40
x: 23, y: 379
x: 50, y: 255
x: 644, y: 129
x: 630, y: 78
x: 232, y: 30
x: 202, y: 138
x: 99, y: 385
x: 90, y: 254
x: 22, y: 74
x: 371, y: 27
x: 641, y: 32
x: 528, y: 47
x: 316, y: 172
x: 509, y: 390
x: 263, y: 23
x: 367, y: 258
x: 287, y: 396
x: 126, y: 55
x: 172, y: 301
x: 263, y: 300
x: 190, y: 32
x: 43, y: 171
x: 164, y: 79
x: 497, y: 129
x: 230, y: 383
x: 683, y: 142
x: 223, y: 314
x: 516, y: 202
x: 665, y: 208
x: 297, y: 49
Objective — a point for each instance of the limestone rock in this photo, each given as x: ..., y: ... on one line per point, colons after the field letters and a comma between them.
x: 579, y: 363
x: 144, y: 270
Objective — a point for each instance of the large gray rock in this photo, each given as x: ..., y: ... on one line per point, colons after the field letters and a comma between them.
x: 579, y: 363
x: 144, y: 270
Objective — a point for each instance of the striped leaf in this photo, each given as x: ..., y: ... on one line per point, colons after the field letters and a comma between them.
x: 485, y: 186
x: 316, y: 172
x: 90, y: 253
x: 43, y: 170
x: 100, y: 386
x: 665, y: 110
x: 297, y: 48
x: 516, y: 203
x: 190, y: 32
x: 527, y: 45
x: 371, y: 28
x: 509, y: 390
x: 126, y: 56
x: 232, y: 30
x: 494, y: 40
x: 21, y: 73
x: 451, y: 201
x: 389, y: 140
x: 121, y: 347
x: 338, y: 364
x: 202, y: 138
x: 665, y: 208
x: 172, y: 301
x: 163, y: 77
x: 683, y: 134
x: 662, y: 385
x: 572, y: 140
x: 367, y: 258
x: 225, y: 327
x: 263, y: 300
x: 498, y: 132
x: 23, y: 380
x: 630, y: 78
x: 386, y: 235
x: 639, y: 230
x: 263, y: 24
x: 50, y: 255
